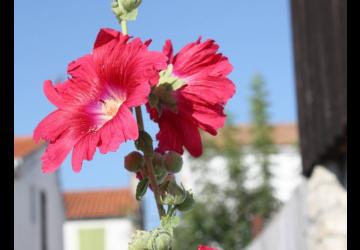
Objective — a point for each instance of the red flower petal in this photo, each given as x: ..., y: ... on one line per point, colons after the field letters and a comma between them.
x: 177, y: 132
x: 168, y: 51
x: 121, y: 128
x: 200, y: 101
x: 203, y: 247
x: 93, y: 104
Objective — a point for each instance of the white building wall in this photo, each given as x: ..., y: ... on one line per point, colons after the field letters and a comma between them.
x: 117, y: 232
x: 287, y: 230
x: 28, y: 184
x: 286, y: 170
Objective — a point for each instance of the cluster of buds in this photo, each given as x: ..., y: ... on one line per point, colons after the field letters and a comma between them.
x: 172, y: 195
x: 125, y: 9
x: 165, y: 166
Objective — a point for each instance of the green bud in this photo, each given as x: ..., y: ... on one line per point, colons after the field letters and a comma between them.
x: 187, y: 204
x: 130, y: 5
x: 173, y: 162
x: 117, y: 9
x: 160, y: 240
x: 157, y: 160
x: 174, y: 194
x: 134, y: 161
x: 139, y: 240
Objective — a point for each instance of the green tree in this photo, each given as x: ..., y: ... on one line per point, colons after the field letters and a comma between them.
x: 262, y: 147
x: 222, y: 215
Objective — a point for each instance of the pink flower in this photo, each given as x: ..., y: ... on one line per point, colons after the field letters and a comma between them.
x: 93, y: 104
x: 191, y: 94
x: 202, y: 247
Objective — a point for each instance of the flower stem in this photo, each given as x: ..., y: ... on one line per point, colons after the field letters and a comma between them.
x: 139, y: 118
x: 148, y: 159
x: 124, y: 27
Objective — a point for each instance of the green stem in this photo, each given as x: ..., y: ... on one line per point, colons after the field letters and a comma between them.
x: 124, y: 27
x: 148, y: 159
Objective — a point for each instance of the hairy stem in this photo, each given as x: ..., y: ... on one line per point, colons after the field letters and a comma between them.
x: 148, y: 159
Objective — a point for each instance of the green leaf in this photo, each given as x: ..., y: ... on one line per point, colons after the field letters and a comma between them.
x: 142, y: 188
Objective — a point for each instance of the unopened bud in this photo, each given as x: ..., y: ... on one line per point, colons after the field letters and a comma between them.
x: 139, y: 240
x: 161, y: 240
x: 134, y: 161
x: 130, y: 5
x: 174, y: 194
x: 188, y: 202
x: 173, y: 162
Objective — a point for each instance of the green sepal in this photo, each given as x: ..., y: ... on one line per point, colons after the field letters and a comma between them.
x: 145, y: 143
x: 141, y: 188
x: 188, y: 203
x: 167, y: 77
x: 173, y: 195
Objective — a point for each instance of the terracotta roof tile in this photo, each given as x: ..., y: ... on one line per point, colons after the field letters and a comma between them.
x: 99, y: 204
x: 281, y: 134
x: 25, y: 145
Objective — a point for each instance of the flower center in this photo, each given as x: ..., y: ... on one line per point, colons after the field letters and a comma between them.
x: 110, y: 107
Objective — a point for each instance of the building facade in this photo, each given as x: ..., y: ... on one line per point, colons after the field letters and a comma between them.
x: 101, y: 219
x: 38, y: 204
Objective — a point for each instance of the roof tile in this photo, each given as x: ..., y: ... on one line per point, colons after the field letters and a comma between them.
x: 100, y: 204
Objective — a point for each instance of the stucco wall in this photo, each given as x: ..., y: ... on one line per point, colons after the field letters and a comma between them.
x: 286, y: 170
x: 28, y: 184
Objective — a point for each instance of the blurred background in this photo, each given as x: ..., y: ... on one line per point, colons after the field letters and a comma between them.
x: 274, y: 177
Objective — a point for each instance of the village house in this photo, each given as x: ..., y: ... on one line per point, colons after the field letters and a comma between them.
x: 38, y: 203
x: 101, y: 219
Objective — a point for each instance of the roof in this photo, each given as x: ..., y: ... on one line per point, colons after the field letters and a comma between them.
x: 24, y: 145
x: 99, y: 204
x: 281, y: 134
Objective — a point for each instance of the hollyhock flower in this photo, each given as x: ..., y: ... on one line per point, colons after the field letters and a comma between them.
x: 190, y: 94
x: 202, y: 247
x: 93, y: 104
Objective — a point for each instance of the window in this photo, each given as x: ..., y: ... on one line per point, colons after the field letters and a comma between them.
x: 92, y: 239
x: 43, y: 223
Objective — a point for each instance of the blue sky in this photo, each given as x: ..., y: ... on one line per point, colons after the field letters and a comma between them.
x: 254, y: 34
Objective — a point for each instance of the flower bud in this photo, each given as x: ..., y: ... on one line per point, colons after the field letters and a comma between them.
x: 117, y: 9
x: 130, y: 5
x: 174, y: 194
x: 160, y: 240
x: 139, y: 240
x: 173, y: 162
x: 187, y: 204
x: 157, y: 160
x: 134, y: 161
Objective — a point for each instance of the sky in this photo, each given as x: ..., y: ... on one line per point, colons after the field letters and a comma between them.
x: 254, y: 34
